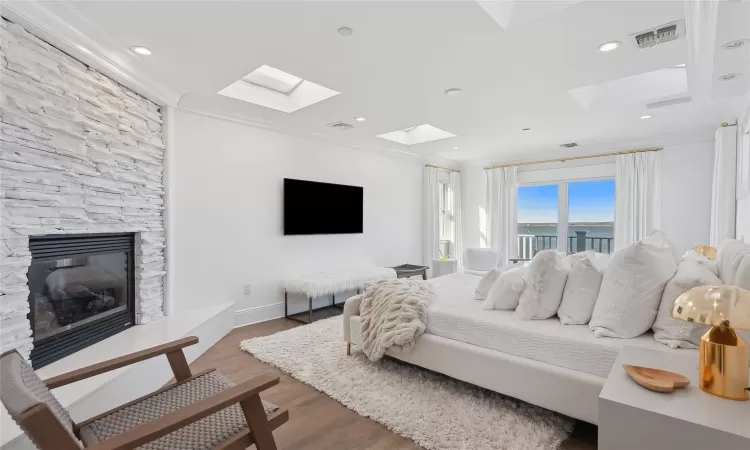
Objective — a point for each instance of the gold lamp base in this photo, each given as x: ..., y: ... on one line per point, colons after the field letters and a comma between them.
x: 724, y: 364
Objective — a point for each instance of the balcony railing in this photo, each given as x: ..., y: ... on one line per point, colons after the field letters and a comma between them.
x: 530, y: 244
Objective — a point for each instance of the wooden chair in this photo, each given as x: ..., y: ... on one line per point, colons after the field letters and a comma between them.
x: 201, y: 411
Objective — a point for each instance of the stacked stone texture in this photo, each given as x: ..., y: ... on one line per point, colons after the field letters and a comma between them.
x: 79, y: 153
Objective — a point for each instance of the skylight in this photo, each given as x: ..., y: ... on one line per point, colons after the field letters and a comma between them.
x: 276, y: 89
x: 417, y: 135
x: 274, y: 79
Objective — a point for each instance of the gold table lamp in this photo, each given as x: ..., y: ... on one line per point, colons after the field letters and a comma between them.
x: 705, y: 250
x: 723, y: 353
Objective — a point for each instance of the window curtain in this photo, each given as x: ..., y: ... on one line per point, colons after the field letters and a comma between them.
x: 637, y: 196
x: 458, y: 247
x: 502, y: 197
x: 431, y: 216
x: 723, y: 192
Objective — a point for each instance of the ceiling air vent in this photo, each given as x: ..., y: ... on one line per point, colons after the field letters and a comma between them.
x: 569, y: 145
x: 664, y: 33
x: 343, y: 126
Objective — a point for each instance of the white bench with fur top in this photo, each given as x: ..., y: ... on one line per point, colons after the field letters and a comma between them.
x: 331, y: 283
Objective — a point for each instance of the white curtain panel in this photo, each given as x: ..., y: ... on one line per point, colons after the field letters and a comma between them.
x: 502, y: 198
x: 637, y: 196
x: 431, y: 216
x: 724, y: 185
x: 455, y: 184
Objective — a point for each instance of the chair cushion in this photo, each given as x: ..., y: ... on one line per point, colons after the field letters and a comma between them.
x: 481, y: 258
x: 203, y: 434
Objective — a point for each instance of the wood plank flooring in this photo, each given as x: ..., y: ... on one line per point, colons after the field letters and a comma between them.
x: 315, y: 420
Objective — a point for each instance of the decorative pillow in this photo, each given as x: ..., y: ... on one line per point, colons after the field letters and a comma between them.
x: 579, y: 295
x: 506, y: 291
x: 632, y: 287
x: 696, y: 257
x: 677, y: 333
x: 483, y: 288
x: 545, y: 280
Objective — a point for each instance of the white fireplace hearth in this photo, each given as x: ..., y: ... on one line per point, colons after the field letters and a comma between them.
x: 79, y: 154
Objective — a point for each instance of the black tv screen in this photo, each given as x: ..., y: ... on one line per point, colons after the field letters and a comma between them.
x: 321, y: 208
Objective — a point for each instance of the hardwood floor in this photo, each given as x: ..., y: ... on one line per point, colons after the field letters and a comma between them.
x: 315, y: 420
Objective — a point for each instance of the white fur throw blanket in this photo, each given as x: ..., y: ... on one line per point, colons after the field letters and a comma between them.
x: 327, y: 283
x: 392, y: 314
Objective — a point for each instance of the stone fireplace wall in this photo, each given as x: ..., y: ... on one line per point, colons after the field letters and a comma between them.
x: 79, y: 153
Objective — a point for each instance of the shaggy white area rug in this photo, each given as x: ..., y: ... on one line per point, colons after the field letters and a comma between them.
x: 435, y: 411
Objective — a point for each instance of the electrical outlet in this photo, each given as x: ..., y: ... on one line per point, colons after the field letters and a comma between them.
x: 248, y: 289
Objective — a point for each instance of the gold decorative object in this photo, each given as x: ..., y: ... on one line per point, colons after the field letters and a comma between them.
x: 704, y: 250
x: 656, y: 379
x: 723, y: 353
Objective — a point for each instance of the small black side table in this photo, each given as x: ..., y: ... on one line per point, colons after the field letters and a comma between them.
x: 410, y: 270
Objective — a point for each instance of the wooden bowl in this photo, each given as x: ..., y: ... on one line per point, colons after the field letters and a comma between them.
x: 655, y: 379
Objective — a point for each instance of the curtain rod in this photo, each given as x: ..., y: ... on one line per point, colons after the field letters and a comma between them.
x: 442, y: 168
x: 641, y: 150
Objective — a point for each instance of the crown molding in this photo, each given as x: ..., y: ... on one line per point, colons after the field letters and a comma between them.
x: 60, y: 24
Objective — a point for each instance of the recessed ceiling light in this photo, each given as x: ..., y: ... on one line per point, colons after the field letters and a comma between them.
x: 646, y: 117
x: 729, y: 76
x: 145, y: 51
x: 345, y: 31
x: 359, y: 119
x: 456, y: 148
x: 452, y: 91
x: 609, y: 46
x: 525, y: 129
x: 735, y: 44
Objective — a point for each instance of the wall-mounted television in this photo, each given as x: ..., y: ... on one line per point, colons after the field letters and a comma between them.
x: 321, y: 208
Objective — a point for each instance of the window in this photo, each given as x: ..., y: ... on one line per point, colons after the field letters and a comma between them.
x: 567, y: 216
x: 446, y: 219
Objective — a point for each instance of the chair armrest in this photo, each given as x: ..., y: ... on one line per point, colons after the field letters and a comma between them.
x: 116, y: 363
x: 150, y: 431
x: 351, y: 308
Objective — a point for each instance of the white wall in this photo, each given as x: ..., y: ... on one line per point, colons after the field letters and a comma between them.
x: 226, y: 227
x: 686, y: 196
x: 686, y: 193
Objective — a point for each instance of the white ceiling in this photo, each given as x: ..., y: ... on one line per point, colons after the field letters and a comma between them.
x: 515, y: 64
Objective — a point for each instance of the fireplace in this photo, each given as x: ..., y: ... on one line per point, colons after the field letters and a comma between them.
x: 81, y: 290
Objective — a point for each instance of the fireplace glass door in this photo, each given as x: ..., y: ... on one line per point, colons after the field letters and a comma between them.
x: 81, y: 291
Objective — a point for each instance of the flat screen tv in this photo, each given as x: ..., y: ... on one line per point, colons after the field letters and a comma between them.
x: 321, y: 208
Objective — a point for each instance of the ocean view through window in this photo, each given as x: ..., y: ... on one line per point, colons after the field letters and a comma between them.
x: 569, y: 217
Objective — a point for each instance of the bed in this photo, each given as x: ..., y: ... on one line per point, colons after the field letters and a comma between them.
x: 555, y: 366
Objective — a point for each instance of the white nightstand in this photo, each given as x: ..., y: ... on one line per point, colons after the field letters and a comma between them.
x: 443, y: 267
x: 631, y: 417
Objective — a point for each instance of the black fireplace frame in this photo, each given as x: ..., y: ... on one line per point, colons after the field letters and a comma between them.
x: 56, y: 246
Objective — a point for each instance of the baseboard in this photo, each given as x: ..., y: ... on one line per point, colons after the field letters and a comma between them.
x: 257, y: 314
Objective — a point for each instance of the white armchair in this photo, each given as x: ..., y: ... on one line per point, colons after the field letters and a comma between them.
x: 479, y: 261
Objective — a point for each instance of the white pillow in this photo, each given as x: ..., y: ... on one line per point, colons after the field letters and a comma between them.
x: 483, y: 288
x: 677, y: 333
x: 545, y: 280
x: 579, y: 295
x: 632, y: 287
x: 696, y: 257
x: 506, y: 291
